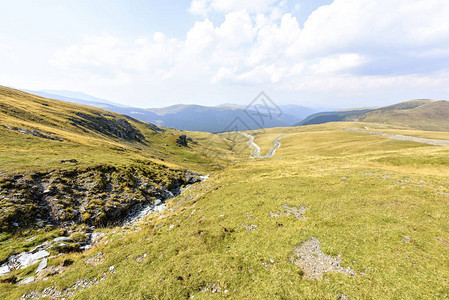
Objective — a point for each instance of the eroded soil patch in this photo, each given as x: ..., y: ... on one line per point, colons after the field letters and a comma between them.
x: 315, y: 263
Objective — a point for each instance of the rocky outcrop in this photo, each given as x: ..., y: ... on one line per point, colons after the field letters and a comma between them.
x: 34, y: 132
x: 96, y: 196
x: 182, y: 140
x: 109, y: 125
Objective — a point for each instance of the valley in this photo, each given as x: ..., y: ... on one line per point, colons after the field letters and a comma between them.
x: 121, y: 210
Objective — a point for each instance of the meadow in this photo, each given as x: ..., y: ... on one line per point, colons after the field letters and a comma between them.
x: 378, y: 204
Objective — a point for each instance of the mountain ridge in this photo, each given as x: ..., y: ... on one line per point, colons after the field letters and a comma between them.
x: 424, y: 114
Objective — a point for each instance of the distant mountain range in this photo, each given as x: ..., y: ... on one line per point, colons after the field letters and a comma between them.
x: 226, y: 117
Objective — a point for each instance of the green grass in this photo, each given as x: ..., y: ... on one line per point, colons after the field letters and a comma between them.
x: 380, y: 204
x: 360, y: 206
x: 420, y: 114
x: 20, y: 152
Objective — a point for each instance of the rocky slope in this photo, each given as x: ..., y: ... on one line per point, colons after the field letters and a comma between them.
x: 101, y: 195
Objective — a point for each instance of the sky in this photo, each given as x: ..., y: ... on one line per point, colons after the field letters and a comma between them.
x: 152, y: 53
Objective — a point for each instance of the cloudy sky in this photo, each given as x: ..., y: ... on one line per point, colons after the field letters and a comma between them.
x: 152, y: 53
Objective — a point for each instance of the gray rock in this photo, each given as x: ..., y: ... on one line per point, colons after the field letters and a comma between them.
x: 27, y: 280
x: 26, y: 259
x: 42, y: 265
x: 86, y: 247
x: 4, y: 269
x: 40, y: 248
x: 62, y: 239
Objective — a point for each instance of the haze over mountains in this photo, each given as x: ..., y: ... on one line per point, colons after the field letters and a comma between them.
x: 424, y: 114
x: 195, y: 117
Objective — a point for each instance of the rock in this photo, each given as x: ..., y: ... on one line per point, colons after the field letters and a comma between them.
x: 182, y: 140
x: 40, y: 247
x: 112, y: 269
x: 69, y: 161
x: 4, y: 269
x: 86, y: 247
x: 314, y: 263
x: 95, y: 260
x: 27, y: 280
x: 15, y: 224
x: 141, y: 258
x: 26, y: 259
x: 250, y: 227
x: 62, y: 239
x: 42, y: 265
x: 271, y: 260
x: 157, y: 201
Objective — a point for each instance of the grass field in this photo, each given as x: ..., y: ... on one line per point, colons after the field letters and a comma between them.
x: 380, y: 204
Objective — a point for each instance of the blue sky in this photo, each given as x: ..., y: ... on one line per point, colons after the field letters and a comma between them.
x: 341, y: 53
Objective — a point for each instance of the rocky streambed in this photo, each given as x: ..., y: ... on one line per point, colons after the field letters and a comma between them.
x: 96, y: 196
x: 82, y: 199
x: 41, y: 253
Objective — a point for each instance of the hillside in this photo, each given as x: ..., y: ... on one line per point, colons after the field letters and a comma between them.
x: 334, y: 212
x: 64, y: 164
x: 419, y: 114
x: 331, y: 116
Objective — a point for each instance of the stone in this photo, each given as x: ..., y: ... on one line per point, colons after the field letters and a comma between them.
x: 85, y: 248
x: 40, y: 248
x: 182, y: 140
x: 26, y: 259
x: 27, y: 280
x: 4, y: 269
x: 42, y: 265
x: 62, y: 239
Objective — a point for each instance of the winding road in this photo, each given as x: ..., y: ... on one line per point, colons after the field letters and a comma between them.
x: 256, y: 148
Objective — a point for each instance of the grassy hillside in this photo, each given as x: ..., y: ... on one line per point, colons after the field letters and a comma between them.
x: 65, y: 166
x: 331, y: 116
x: 379, y: 206
x: 430, y: 115
x: 420, y: 114
x: 90, y: 136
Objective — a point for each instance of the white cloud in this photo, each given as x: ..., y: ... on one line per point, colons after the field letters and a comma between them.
x: 199, y: 7
x: 336, y: 63
x: 373, y: 26
x: 203, y: 7
x: 260, y: 43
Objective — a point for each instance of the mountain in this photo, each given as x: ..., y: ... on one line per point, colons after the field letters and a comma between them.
x: 194, y: 117
x: 104, y: 163
x: 99, y: 205
x: 419, y: 114
x: 75, y: 97
x: 221, y: 118
x: 331, y: 116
